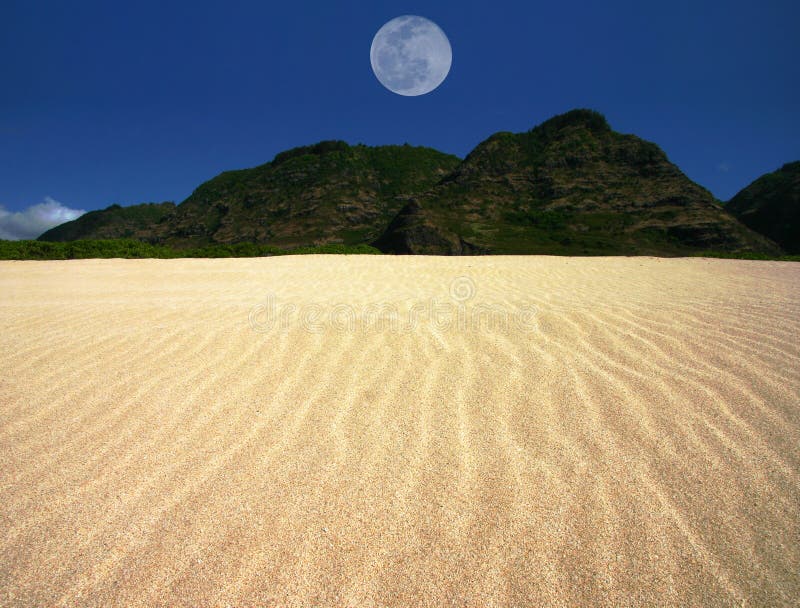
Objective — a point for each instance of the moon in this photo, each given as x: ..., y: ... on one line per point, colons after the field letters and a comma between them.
x: 411, y: 55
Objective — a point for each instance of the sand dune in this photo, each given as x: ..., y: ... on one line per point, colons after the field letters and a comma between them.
x: 369, y: 431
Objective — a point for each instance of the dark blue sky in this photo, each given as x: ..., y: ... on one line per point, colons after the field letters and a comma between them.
x: 109, y: 102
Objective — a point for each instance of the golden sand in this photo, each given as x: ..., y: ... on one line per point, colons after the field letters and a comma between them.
x: 625, y: 431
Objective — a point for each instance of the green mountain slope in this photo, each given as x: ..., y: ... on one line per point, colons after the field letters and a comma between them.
x: 568, y: 186
x: 114, y: 222
x: 313, y: 195
x: 771, y: 206
x: 327, y: 193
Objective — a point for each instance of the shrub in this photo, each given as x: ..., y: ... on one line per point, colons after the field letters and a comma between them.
x: 131, y: 248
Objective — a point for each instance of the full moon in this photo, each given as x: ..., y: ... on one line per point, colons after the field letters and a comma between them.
x: 411, y: 55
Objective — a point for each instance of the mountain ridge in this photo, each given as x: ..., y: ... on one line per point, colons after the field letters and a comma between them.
x: 570, y: 185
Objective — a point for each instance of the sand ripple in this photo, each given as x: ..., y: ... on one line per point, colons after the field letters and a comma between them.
x: 637, y: 442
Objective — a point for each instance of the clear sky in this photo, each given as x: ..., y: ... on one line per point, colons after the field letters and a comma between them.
x: 107, y: 102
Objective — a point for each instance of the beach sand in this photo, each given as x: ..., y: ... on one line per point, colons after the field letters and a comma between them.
x: 374, y: 430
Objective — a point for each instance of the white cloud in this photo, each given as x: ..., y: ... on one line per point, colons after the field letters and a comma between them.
x: 36, y: 219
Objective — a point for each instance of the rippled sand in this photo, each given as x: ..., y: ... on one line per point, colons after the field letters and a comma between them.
x: 626, y: 431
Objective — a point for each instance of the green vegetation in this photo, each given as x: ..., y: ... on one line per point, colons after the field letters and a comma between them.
x: 130, y: 248
x: 113, y: 222
x: 771, y: 206
x: 319, y: 149
x: 546, y: 220
x: 570, y: 186
x: 329, y: 191
x: 727, y: 255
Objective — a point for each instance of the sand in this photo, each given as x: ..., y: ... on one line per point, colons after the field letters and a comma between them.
x: 251, y: 432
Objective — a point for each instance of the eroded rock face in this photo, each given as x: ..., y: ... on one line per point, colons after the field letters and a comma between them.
x: 771, y: 206
x: 411, y: 232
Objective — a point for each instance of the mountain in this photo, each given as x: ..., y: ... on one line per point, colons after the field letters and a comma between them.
x: 329, y: 192
x: 326, y: 193
x: 771, y: 206
x: 114, y: 222
x: 569, y: 186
